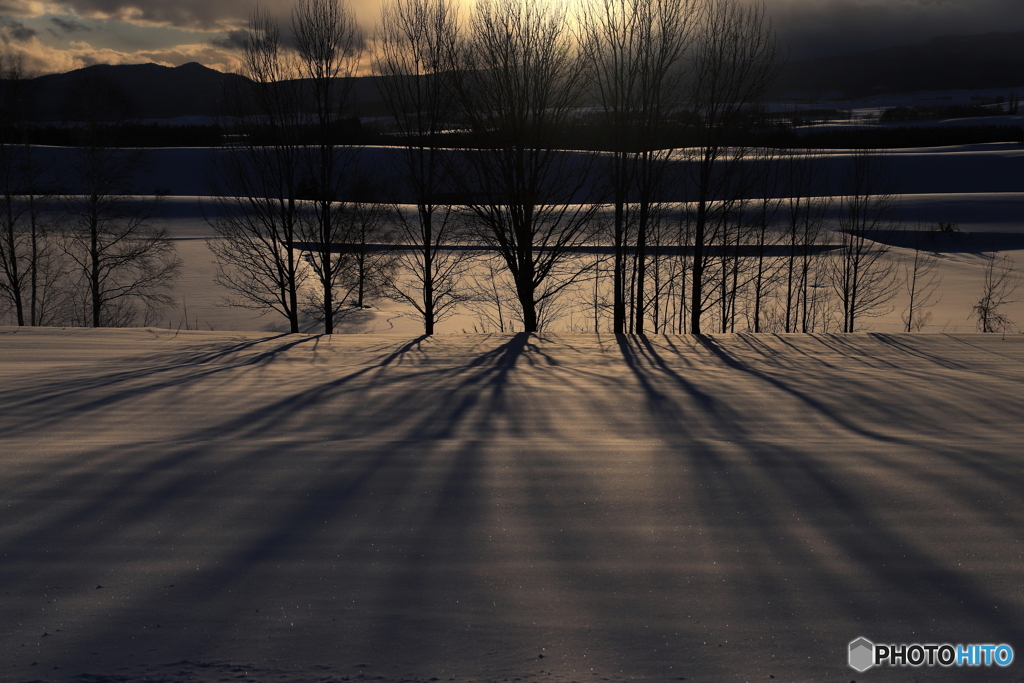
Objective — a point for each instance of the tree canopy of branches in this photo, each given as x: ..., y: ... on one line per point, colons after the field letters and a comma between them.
x: 520, y: 81
x: 999, y: 285
x: 416, y: 48
x: 864, y: 280
x: 733, y: 61
x: 258, y: 210
x: 329, y: 44
x: 634, y: 51
x: 121, y: 260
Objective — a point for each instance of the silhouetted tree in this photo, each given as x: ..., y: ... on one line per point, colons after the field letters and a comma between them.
x: 368, y: 259
x: 15, y: 252
x: 520, y: 83
x: 416, y: 51
x: 31, y: 268
x: 258, y: 207
x: 118, y: 258
x: 734, y: 60
x: 921, y: 283
x: 803, y: 213
x: 329, y: 44
x: 634, y: 52
x: 863, y: 278
x: 1000, y: 284
x: 764, y: 234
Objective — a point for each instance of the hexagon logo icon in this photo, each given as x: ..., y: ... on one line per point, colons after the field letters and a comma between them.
x: 862, y: 654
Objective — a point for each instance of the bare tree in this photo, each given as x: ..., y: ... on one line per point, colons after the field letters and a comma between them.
x: 120, y: 261
x: 31, y: 268
x: 520, y: 83
x: 804, y: 210
x: 330, y: 44
x: 634, y: 52
x: 257, y: 217
x: 734, y: 60
x: 416, y: 49
x: 765, y: 216
x: 863, y: 278
x: 14, y: 249
x: 492, y: 297
x: 1000, y: 284
x: 368, y: 259
x: 921, y: 283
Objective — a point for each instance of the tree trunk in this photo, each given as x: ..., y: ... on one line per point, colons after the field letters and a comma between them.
x: 11, y: 260
x: 618, y: 277
x: 641, y: 264
x: 698, y: 263
x: 293, y: 294
x: 426, y: 220
x: 94, y: 262
x: 327, y: 266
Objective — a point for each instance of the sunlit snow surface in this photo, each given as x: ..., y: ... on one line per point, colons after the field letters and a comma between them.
x: 207, y: 506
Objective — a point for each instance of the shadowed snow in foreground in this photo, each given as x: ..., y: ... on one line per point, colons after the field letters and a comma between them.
x: 221, y: 506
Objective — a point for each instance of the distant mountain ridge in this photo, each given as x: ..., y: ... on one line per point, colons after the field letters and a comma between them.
x: 155, y: 91
x: 975, y: 62
x: 993, y: 60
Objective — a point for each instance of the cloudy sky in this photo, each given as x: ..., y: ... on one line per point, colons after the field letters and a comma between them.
x: 60, y: 36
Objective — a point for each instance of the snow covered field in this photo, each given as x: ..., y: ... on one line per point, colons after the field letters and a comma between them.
x: 237, y: 504
x: 210, y: 506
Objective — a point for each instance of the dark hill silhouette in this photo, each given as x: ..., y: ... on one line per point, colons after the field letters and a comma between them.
x: 154, y: 91
x: 991, y: 60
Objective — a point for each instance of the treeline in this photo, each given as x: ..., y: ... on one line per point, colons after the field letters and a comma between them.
x: 89, y: 258
x: 952, y: 111
x: 128, y: 135
x: 483, y: 105
x: 878, y: 137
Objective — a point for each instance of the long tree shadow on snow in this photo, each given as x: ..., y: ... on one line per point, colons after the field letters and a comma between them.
x: 752, y: 488
x: 408, y: 472
x: 472, y: 393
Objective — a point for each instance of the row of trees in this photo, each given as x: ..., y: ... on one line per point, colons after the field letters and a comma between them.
x: 669, y: 84
x: 83, y: 256
x: 514, y: 78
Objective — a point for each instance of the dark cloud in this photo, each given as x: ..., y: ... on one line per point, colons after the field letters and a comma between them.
x: 818, y: 28
x: 16, y: 31
x: 233, y: 40
x: 69, y: 25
